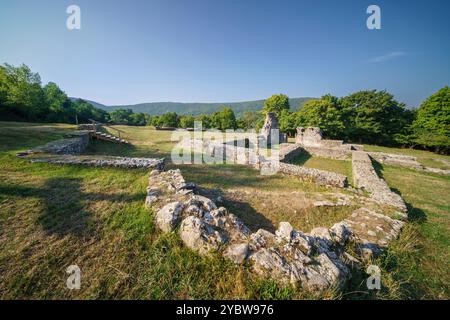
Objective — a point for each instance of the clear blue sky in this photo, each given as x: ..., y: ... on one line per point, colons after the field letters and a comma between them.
x: 227, y: 50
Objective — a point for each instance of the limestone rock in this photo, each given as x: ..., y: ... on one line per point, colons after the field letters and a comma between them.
x: 321, y: 232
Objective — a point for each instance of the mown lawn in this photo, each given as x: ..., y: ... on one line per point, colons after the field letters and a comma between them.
x: 55, y: 216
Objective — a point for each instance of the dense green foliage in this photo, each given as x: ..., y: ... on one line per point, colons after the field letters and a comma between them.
x: 196, y: 109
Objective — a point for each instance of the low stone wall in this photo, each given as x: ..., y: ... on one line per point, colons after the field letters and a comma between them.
x: 317, y: 261
x: 104, y: 161
x: 397, y: 160
x: 321, y: 177
x: 75, y: 143
x: 289, y: 152
x: 365, y: 177
x: 405, y: 161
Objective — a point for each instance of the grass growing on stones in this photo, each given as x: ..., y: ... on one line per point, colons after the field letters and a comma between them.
x: 55, y: 216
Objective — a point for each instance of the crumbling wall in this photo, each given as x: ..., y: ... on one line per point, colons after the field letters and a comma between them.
x: 321, y: 177
x: 103, y: 161
x: 317, y: 261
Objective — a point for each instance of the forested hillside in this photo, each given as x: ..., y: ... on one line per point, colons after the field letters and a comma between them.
x: 159, y: 108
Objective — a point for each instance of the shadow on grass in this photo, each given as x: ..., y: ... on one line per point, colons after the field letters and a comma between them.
x: 64, y: 205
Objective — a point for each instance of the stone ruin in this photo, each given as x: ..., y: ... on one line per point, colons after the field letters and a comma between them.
x: 271, y: 123
x: 316, y: 261
x: 311, y: 139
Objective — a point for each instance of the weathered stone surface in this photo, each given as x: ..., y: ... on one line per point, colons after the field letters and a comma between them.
x: 168, y: 216
x: 271, y: 123
x: 237, y: 252
x: 311, y: 136
x: 201, y: 236
x: 372, y: 231
x: 205, y: 202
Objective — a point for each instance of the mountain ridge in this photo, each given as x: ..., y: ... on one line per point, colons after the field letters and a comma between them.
x: 195, y: 108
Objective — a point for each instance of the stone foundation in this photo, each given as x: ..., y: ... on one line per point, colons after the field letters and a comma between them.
x: 321, y: 177
x: 316, y: 261
x: 405, y: 161
x: 76, y: 143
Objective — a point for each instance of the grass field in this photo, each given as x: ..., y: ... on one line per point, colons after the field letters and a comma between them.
x: 55, y: 216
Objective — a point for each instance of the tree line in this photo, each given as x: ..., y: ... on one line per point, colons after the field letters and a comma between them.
x: 372, y: 116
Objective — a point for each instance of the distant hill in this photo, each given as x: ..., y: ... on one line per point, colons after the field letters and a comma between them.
x: 157, y: 108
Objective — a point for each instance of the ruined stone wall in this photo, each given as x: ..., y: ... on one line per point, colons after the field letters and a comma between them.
x: 287, y: 152
x: 405, y: 161
x: 365, y: 177
x: 317, y: 261
x: 103, y: 161
x: 321, y: 177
